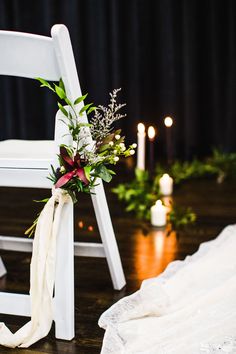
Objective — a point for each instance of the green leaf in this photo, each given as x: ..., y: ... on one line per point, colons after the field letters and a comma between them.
x: 103, y: 173
x: 85, y: 125
x: 108, y: 138
x: 117, y: 132
x: 45, y: 200
x: 103, y: 148
x: 80, y: 99
x: 131, y: 207
x: 61, y: 85
x: 85, y: 108
x: 91, y: 110
x: 64, y: 111
x: 87, y: 170
x: 44, y: 83
x: 68, y: 101
x: 112, y: 172
x: 79, y: 184
x: 60, y: 92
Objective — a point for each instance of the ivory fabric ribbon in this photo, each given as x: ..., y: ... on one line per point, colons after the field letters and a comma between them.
x: 42, y: 276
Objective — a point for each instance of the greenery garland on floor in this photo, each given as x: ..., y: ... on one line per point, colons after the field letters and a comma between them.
x: 220, y: 165
x: 143, y: 191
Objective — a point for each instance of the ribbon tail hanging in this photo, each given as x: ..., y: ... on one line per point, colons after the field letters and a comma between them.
x: 42, y: 277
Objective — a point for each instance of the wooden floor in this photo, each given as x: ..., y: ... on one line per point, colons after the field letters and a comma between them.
x: 145, y: 252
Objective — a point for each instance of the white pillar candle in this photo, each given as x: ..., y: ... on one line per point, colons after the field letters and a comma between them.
x: 166, y: 184
x: 141, y: 147
x: 158, y: 214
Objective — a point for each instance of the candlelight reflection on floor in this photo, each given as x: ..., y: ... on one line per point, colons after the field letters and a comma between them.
x: 153, y: 252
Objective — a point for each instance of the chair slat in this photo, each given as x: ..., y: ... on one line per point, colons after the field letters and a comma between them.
x: 40, y: 60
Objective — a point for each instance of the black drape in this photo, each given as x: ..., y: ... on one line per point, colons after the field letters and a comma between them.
x: 171, y: 57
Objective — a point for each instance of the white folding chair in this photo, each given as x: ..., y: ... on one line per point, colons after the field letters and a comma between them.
x: 27, y: 164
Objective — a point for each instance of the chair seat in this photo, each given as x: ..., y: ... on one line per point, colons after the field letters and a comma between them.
x: 32, y: 154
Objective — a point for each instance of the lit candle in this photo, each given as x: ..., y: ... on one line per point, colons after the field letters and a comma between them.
x: 151, y: 137
x: 168, y: 121
x: 166, y: 184
x: 158, y: 214
x: 141, y: 147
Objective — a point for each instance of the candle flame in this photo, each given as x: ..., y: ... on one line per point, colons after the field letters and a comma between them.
x: 151, y: 132
x: 80, y: 224
x: 168, y: 121
x: 141, y: 128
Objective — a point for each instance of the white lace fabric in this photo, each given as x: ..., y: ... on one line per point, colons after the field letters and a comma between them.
x: 228, y: 345
x: 189, y: 309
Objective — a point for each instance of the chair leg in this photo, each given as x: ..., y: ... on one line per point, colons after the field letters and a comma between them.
x: 3, y: 270
x: 108, y: 237
x: 64, y: 279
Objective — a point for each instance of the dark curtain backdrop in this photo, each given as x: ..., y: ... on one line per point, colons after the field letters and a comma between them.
x: 171, y: 57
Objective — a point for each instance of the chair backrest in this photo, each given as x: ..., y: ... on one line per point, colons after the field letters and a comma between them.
x: 29, y: 55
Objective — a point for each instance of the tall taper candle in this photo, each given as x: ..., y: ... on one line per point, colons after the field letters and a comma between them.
x: 141, y: 147
x: 151, y: 137
x: 168, y: 121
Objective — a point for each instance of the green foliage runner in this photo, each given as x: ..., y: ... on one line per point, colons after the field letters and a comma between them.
x: 142, y: 192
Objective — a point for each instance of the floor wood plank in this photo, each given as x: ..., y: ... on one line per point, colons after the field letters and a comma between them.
x: 145, y: 252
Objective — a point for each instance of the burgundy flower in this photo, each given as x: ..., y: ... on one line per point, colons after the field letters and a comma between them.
x: 73, y: 166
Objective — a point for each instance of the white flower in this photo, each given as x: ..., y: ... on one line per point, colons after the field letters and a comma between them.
x: 134, y: 145
x: 117, y: 136
x: 114, y: 152
x: 122, y: 146
x: 111, y: 143
x: 132, y: 152
x: 116, y: 158
x: 62, y: 169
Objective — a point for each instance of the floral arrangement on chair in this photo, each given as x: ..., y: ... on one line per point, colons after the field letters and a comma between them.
x: 95, y: 145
